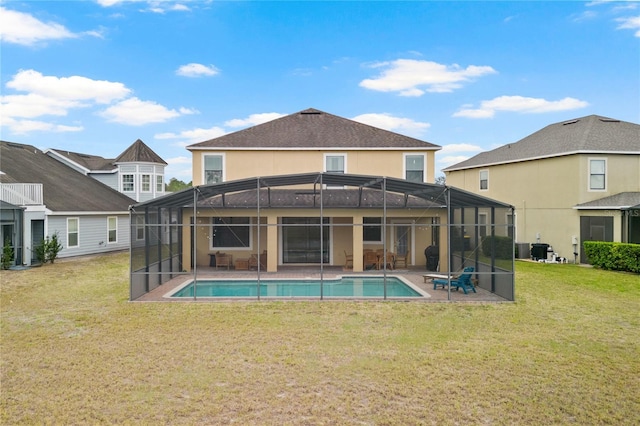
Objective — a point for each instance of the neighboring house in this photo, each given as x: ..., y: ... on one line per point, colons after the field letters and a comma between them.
x: 88, y: 216
x: 570, y: 182
x: 138, y: 172
x: 310, y: 188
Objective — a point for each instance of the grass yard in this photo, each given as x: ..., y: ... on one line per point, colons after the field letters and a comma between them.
x: 75, y: 351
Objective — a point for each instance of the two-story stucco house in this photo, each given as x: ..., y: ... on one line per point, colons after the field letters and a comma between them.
x: 42, y: 197
x: 570, y: 182
x: 310, y: 189
x: 138, y: 172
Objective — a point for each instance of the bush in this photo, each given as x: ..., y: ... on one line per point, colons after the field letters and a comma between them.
x: 7, y: 254
x: 613, y: 256
x: 503, y: 247
x: 48, y: 249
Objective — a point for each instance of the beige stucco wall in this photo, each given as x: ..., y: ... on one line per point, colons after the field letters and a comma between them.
x: 246, y: 164
x: 545, y: 191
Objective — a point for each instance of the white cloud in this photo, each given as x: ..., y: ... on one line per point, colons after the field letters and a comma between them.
x: 34, y: 105
x: 410, y: 77
x: 135, y: 112
x: 22, y: 28
x: 189, y: 137
x: 197, y: 70
x: 21, y: 127
x: 459, y: 147
x: 392, y: 123
x: 74, y: 88
x: 179, y: 167
x: 253, y: 119
x: 631, y: 23
x: 450, y: 160
x: 155, y: 6
x: 520, y: 104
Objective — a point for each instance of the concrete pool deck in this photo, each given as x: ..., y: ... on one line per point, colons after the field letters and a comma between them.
x: 414, y: 276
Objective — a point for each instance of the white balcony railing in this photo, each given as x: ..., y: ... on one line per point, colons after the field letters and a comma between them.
x: 21, y: 194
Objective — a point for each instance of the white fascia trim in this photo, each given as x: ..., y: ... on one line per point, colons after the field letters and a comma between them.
x: 103, y: 171
x: 522, y: 160
x: 52, y: 151
x: 114, y: 213
x: 323, y: 149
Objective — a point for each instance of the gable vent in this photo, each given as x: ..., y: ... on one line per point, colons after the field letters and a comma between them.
x: 609, y: 120
x: 570, y: 122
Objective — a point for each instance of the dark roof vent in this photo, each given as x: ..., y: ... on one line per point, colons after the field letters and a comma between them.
x: 310, y: 111
x: 570, y: 122
x: 609, y: 120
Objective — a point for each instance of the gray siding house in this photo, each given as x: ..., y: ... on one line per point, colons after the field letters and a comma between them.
x: 138, y: 172
x: 88, y: 216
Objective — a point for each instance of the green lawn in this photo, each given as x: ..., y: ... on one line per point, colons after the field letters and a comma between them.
x: 75, y: 351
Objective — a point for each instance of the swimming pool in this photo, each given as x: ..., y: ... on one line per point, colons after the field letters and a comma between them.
x: 342, y: 287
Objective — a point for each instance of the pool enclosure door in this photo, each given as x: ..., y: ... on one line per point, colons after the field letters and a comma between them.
x: 301, y: 240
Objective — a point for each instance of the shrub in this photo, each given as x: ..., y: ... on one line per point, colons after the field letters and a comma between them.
x: 48, y: 249
x: 613, y: 256
x: 7, y: 254
x: 503, y: 247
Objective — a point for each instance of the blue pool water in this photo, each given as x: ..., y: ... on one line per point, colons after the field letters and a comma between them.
x: 343, y: 287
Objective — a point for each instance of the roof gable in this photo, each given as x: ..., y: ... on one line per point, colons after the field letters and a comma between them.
x: 64, y: 189
x: 88, y: 162
x: 139, y: 152
x: 590, y: 134
x: 312, y: 128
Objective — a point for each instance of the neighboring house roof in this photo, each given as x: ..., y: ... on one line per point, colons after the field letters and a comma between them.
x: 64, y: 189
x: 621, y: 201
x: 313, y: 129
x: 86, y: 161
x: 586, y: 135
x: 139, y: 152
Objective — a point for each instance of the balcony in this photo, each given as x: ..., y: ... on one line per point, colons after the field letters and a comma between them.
x: 21, y: 194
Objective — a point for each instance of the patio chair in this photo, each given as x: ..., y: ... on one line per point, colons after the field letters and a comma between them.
x: 223, y: 260
x: 404, y: 259
x: 370, y: 260
x: 462, y: 281
x: 348, y: 260
x: 390, y: 260
x: 253, y: 261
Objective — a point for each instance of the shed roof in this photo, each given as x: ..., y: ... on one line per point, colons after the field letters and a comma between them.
x: 429, y: 195
x: 590, y: 134
x: 621, y: 201
x: 313, y: 129
x: 64, y: 189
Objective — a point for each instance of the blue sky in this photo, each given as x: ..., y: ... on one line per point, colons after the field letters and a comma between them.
x: 94, y: 76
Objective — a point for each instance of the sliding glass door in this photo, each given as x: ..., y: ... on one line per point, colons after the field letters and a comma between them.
x: 301, y: 240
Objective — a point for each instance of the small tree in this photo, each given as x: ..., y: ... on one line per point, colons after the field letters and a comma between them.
x: 53, y: 248
x: 7, y: 254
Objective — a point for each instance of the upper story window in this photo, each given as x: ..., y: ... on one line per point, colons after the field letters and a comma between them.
x: 146, y: 183
x: 159, y: 183
x: 484, y: 180
x: 128, y: 183
x: 597, y: 174
x: 335, y: 163
x: 414, y: 165
x: 213, y: 169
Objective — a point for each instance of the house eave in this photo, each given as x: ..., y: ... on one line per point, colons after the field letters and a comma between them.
x: 88, y: 213
x: 324, y: 148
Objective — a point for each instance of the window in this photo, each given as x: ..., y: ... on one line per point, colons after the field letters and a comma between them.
x: 213, y: 169
x: 139, y: 228
x: 159, y: 183
x: 414, y: 168
x: 372, y: 229
x: 484, y: 179
x: 597, y: 174
x: 127, y: 183
x: 146, y: 183
x: 335, y: 163
x: 112, y: 229
x: 231, y: 232
x: 73, y: 232
x: 482, y: 225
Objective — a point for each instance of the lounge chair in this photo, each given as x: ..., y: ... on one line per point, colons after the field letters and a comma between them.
x: 463, y: 281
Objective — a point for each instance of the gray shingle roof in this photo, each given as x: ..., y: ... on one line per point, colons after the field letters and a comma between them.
x: 64, y: 189
x: 623, y: 200
x: 311, y: 129
x: 89, y: 162
x: 139, y: 152
x: 590, y: 134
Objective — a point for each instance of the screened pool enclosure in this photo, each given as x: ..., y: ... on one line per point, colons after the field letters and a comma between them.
x: 321, y: 222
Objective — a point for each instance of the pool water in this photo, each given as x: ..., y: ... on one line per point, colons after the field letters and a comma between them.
x: 342, y: 287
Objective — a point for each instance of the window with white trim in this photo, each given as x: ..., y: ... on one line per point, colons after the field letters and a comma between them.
x: 112, y: 229
x: 597, y: 174
x: 231, y: 233
x: 414, y: 167
x: 335, y: 163
x: 213, y: 169
x: 73, y: 232
x: 145, y: 183
x: 484, y: 180
x: 159, y: 183
x: 140, y: 227
x: 482, y: 225
x: 128, y: 184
